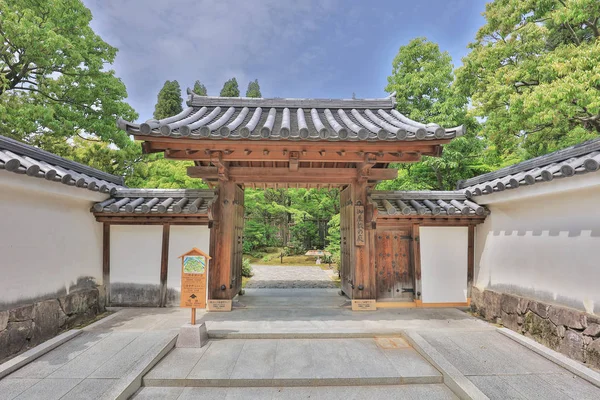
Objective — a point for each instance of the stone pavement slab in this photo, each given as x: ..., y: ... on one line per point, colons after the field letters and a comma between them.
x: 287, y: 277
x: 292, y: 362
x: 502, y: 368
x: 103, y: 361
x: 409, y: 392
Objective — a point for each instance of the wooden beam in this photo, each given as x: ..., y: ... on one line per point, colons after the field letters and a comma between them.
x: 334, y: 151
x: 302, y: 175
x: 106, y: 261
x: 470, y: 260
x: 222, y: 237
x: 164, y: 265
x: 416, y: 253
x: 364, y: 267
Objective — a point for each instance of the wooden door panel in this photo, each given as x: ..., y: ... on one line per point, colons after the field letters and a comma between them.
x: 393, y: 267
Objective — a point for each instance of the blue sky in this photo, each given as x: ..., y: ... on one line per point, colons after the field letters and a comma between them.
x: 295, y: 48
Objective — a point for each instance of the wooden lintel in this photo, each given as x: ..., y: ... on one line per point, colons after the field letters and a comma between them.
x: 301, y: 175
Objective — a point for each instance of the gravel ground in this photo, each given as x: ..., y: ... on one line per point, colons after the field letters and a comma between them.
x: 282, y: 277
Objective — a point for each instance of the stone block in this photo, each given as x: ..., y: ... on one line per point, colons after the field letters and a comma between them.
x: 3, y: 320
x: 593, y: 354
x: 560, y: 331
x: 511, y: 304
x: 564, y: 316
x: 46, y: 318
x: 491, y: 305
x: 540, y: 329
x: 572, y: 345
x: 80, y: 302
x: 511, y: 321
x: 540, y: 309
x: 194, y: 336
x: 592, y: 330
x: 23, y: 313
x: 14, y: 338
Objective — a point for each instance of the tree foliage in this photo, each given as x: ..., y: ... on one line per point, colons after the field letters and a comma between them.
x: 169, y: 100
x: 230, y: 89
x: 534, y: 74
x: 200, y: 89
x: 253, y: 89
x: 53, y: 81
x: 302, y: 214
x: 422, y: 78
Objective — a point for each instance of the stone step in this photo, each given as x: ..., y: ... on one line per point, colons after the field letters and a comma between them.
x: 226, y: 334
x: 432, y: 391
x: 294, y: 362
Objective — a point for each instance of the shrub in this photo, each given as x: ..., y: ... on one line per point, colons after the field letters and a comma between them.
x: 246, y: 268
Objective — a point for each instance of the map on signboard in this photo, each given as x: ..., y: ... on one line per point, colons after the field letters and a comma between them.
x: 194, y: 264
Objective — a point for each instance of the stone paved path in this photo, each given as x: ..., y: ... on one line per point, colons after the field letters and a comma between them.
x: 100, y: 363
x: 283, y: 277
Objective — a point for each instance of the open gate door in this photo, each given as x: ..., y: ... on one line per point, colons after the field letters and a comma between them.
x: 393, y: 267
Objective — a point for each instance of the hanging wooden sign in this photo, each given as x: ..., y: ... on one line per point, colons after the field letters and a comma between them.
x: 194, y: 272
x: 359, y: 225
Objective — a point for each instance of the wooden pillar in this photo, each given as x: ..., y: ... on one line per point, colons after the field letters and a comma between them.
x: 416, y: 253
x: 364, y: 265
x: 470, y: 261
x: 222, y: 241
x: 106, y: 261
x: 164, y: 265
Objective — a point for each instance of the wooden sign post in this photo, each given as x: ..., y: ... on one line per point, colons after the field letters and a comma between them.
x: 194, y: 271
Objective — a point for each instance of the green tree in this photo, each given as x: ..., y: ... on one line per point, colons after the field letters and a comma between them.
x: 160, y: 173
x: 230, y: 89
x: 200, y: 89
x: 423, y: 78
x: 169, y: 100
x: 253, y: 89
x: 533, y: 75
x: 54, y: 84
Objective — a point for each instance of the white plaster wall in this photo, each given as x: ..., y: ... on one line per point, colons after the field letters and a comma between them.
x: 444, y: 252
x: 543, y: 245
x: 135, y: 253
x: 183, y: 239
x: 48, y: 238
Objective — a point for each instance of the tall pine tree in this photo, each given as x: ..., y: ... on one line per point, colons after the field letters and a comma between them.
x: 230, y: 89
x: 200, y: 89
x: 169, y: 100
x: 253, y: 89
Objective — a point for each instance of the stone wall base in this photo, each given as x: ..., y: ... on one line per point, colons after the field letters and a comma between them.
x: 27, y: 326
x: 574, y: 333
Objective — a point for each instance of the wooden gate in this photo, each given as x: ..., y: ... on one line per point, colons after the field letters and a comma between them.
x: 393, y: 267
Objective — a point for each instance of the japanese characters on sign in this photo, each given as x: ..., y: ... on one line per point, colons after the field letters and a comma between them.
x: 193, y: 279
x: 359, y: 225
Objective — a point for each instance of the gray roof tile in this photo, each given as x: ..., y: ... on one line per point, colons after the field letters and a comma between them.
x: 290, y: 119
x: 426, y: 203
x: 21, y: 158
x: 157, y: 202
x: 574, y: 160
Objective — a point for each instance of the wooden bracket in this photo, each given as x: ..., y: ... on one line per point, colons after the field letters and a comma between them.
x: 294, y: 156
x: 216, y: 158
x: 363, y: 169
